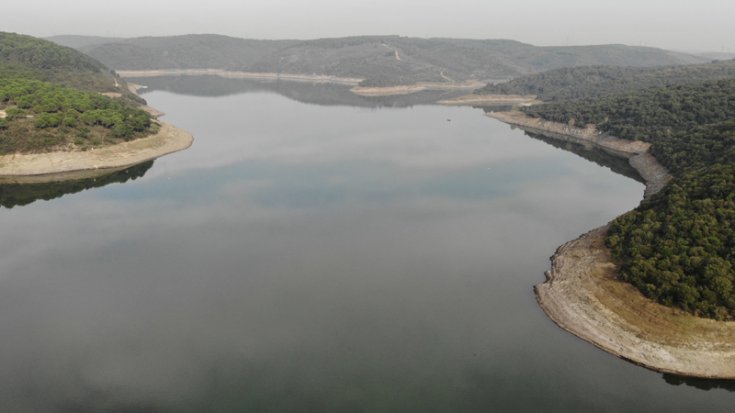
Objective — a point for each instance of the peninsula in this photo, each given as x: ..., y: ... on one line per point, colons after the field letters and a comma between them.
x: 583, y: 294
x: 64, y: 115
x: 649, y: 287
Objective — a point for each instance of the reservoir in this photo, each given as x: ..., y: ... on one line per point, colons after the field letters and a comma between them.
x: 314, y: 251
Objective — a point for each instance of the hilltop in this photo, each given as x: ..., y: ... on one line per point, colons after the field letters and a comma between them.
x: 379, y: 60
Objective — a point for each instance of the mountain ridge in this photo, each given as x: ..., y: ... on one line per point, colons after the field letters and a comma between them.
x: 379, y: 60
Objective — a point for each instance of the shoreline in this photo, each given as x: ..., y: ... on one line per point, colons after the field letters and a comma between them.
x: 583, y: 295
x: 377, y: 91
x: 366, y: 91
x: 491, y: 100
x: 67, y: 165
x: 636, y: 152
x: 61, y: 166
x: 229, y: 74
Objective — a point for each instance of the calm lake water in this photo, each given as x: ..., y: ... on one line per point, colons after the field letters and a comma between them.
x: 313, y: 252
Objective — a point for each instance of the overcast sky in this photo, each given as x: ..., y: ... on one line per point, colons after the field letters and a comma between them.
x: 673, y: 24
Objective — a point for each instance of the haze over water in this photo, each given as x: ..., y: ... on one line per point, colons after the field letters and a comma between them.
x: 302, y: 257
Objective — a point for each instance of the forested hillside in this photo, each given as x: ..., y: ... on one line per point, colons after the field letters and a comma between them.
x: 32, y: 58
x: 679, y: 247
x: 595, y: 81
x: 183, y: 52
x: 51, y: 99
x: 380, y: 60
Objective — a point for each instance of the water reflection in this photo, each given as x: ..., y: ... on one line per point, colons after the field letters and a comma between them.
x: 617, y: 164
x: 312, y: 93
x: 13, y: 195
x: 702, y: 384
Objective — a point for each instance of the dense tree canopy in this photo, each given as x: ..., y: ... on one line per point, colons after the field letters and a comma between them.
x: 42, y: 116
x: 597, y: 81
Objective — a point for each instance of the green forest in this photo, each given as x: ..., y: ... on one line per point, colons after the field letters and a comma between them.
x: 51, y: 99
x: 32, y: 58
x: 42, y: 116
x: 597, y: 81
x: 678, y: 247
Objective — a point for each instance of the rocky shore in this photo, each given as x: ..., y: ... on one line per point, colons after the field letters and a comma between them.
x: 583, y: 295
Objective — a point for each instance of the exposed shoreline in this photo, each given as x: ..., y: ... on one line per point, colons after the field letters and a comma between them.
x: 73, y: 165
x: 491, y: 100
x: 637, y: 152
x: 291, y: 77
x: 60, y: 166
x: 583, y: 296
x: 414, y: 88
x: 367, y: 91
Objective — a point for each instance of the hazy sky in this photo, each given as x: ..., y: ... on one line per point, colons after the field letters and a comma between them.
x: 673, y: 24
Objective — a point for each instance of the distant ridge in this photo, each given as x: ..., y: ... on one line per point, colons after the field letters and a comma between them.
x: 597, y: 81
x: 379, y: 60
x: 30, y: 57
x: 80, y: 42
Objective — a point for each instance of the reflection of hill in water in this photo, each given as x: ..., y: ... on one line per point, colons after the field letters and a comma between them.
x: 615, y: 163
x: 12, y: 195
x: 702, y: 384
x: 314, y: 93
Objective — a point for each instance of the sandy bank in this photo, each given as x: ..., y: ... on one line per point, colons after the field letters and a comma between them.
x: 414, y: 88
x: 349, y: 81
x: 491, y: 100
x: 583, y: 295
x: 57, y: 166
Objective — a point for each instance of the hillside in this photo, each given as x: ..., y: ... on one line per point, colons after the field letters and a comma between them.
x: 181, y: 52
x: 678, y: 247
x: 380, y: 60
x: 53, y: 98
x: 596, y: 81
x: 32, y: 58
x: 80, y: 42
